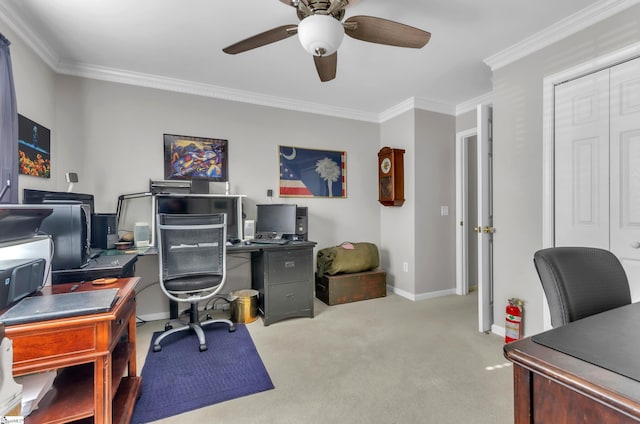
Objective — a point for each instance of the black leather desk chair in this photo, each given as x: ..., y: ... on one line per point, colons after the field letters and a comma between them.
x: 581, y: 281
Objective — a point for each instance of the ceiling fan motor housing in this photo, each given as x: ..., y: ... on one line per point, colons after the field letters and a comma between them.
x: 320, y: 35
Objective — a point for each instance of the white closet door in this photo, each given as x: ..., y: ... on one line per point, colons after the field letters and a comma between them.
x: 625, y: 169
x: 582, y: 162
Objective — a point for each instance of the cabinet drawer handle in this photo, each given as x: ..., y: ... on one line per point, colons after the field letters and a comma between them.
x: 289, y: 295
x: 289, y: 264
x: 119, y: 321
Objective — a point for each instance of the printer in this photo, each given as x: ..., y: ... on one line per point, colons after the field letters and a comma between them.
x: 19, y: 278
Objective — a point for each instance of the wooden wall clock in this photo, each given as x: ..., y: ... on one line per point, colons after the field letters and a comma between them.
x: 391, y: 176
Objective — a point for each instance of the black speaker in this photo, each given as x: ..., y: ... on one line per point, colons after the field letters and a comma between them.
x: 199, y: 185
x: 302, y: 223
x: 104, y: 233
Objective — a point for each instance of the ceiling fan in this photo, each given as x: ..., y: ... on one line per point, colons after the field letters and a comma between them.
x: 321, y: 31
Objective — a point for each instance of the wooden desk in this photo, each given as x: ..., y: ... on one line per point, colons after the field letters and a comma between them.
x: 92, y: 353
x: 554, y: 387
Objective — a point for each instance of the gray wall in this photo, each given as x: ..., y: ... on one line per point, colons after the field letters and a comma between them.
x: 415, y: 232
x: 466, y: 120
x: 435, y: 186
x: 517, y: 116
x: 397, y: 223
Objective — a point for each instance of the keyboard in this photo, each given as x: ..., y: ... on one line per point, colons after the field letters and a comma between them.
x: 270, y: 241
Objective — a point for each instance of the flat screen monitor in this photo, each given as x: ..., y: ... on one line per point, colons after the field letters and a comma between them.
x: 276, y: 220
x: 205, y: 204
x: 31, y: 196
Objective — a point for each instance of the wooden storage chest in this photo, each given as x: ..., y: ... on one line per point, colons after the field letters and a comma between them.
x: 345, y: 288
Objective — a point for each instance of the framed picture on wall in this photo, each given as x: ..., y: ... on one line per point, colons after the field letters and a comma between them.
x: 312, y: 173
x: 34, y: 148
x: 187, y: 157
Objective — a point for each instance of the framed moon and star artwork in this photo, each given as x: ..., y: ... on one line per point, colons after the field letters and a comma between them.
x: 312, y: 173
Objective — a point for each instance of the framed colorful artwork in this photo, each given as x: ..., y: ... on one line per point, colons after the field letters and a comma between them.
x: 188, y: 157
x: 34, y: 148
x: 312, y: 173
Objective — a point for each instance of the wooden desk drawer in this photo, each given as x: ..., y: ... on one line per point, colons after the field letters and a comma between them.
x: 42, y: 345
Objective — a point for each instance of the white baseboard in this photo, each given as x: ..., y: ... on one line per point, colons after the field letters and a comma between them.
x: 421, y: 296
x: 154, y: 317
x: 497, y: 330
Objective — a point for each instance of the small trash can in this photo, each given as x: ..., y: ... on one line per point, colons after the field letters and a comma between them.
x: 244, y: 306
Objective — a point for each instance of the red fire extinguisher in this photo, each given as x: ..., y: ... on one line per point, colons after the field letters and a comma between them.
x: 513, y: 327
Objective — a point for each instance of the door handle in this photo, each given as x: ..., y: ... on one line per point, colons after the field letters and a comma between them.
x: 477, y: 230
x: 635, y: 244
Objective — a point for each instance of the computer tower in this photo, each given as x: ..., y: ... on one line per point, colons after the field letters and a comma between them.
x: 104, y: 233
x: 302, y: 223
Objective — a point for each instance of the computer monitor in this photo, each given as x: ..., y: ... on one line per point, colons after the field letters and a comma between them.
x: 205, y: 204
x: 31, y: 196
x: 276, y: 220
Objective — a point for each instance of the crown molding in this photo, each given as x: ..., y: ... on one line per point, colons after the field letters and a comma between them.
x: 434, y: 106
x: 568, y: 26
x: 471, y: 104
x: 413, y: 103
x: 396, y: 110
x: 9, y: 16
x: 209, y: 90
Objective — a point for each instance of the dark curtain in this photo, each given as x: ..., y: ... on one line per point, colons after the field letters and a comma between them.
x: 8, y: 128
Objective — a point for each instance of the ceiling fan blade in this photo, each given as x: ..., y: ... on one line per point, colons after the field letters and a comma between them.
x: 262, y: 39
x: 384, y: 31
x: 293, y: 3
x: 326, y: 66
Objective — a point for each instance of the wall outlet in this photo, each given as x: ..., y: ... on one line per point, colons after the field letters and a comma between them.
x: 405, y: 266
x: 269, y: 193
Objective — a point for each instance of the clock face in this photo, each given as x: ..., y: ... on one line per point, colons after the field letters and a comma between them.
x: 385, y: 165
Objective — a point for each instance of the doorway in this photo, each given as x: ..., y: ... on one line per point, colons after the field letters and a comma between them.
x: 466, y: 210
x: 474, y: 215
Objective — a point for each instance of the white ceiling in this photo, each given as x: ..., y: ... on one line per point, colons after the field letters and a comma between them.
x: 179, y: 43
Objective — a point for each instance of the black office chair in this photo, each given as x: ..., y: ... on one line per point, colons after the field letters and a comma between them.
x: 192, y: 259
x: 581, y: 281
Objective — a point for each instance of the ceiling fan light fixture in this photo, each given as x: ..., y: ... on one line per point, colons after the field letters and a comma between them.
x: 320, y: 35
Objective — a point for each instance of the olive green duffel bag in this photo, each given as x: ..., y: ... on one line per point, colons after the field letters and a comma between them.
x: 347, y: 258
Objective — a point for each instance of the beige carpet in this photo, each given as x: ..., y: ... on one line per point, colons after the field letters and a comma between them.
x: 387, y: 360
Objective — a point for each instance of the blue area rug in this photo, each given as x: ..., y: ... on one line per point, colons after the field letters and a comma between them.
x: 180, y: 378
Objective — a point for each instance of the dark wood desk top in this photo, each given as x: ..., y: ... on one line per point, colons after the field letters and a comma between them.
x: 589, y: 379
x: 609, y: 340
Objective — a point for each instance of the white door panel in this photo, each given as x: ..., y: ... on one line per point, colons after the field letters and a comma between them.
x: 582, y: 162
x: 485, y: 218
x: 632, y: 269
x: 625, y: 152
x: 597, y: 165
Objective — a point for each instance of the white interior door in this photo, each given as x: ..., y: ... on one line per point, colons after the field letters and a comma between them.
x: 625, y: 175
x: 485, y: 218
x: 597, y: 164
x: 582, y: 162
